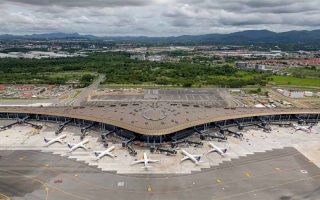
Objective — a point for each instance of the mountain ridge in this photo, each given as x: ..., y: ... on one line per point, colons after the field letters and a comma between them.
x: 242, y: 37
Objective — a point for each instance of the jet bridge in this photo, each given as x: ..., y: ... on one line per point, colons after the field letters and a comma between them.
x: 8, y: 126
x: 33, y: 125
x: 84, y: 129
x: 233, y: 133
x: 21, y: 121
x: 168, y: 151
x: 241, y: 126
x: 186, y: 141
x: 204, y: 134
x: 127, y: 143
x: 104, y: 135
x: 61, y: 126
x: 224, y: 130
x: 132, y: 152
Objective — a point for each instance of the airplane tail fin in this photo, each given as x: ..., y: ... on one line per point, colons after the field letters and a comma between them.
x: 96, y: 154
x: 69, y: 145
x: 45, y: 140
x: 225, y: 151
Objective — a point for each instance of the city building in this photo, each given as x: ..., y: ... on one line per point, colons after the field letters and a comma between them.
x: 138, y: 57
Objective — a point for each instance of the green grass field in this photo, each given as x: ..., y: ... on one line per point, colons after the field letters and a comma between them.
x: 304, y: 72
x: 289, y: 80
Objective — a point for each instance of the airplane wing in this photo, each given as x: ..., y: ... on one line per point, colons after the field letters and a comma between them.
x: 110, y: 154
x: 48, y: 139
x: 153, y: 161
x: 212, y: 150
x: 137, y: 162
x: 60, y: 141
x: 83, y: 147
x: 184, y: 158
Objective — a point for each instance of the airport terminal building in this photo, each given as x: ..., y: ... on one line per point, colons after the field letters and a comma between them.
x: 161, y: 122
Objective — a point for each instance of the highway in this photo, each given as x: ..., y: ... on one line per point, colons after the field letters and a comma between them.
x: 82, y: 97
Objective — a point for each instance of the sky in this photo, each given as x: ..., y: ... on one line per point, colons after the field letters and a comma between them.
x: 156, y: 17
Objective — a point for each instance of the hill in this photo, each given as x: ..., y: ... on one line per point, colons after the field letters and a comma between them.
x: 243, y: 37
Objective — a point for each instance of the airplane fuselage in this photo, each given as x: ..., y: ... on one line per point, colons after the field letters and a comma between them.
x: 106, y: 152
x: 217, y: 149
x: 300, y: 128
x: 191, y: 157
x: 145, y: 158
x: 58, y: 139
x: 79, y: 145
x: 145, y: 161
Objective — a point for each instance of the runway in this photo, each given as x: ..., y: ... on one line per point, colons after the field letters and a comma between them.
x: 278, y: 174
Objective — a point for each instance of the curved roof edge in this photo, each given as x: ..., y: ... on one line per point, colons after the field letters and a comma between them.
x: 91, y: 115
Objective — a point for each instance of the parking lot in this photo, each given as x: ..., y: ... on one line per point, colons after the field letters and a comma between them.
x: 215, y: 97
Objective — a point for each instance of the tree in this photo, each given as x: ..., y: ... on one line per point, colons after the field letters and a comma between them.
x: 86, y: 79
x: 187, y: 84
x: 259, y: 90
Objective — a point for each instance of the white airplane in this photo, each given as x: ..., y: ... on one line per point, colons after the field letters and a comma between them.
x: 215, y: 148
x: 145, y: 161
x: 302, y: 128
x: 107, y: 152
x: 57, y: 139
x: 193, y: 158
x: 73, y: 147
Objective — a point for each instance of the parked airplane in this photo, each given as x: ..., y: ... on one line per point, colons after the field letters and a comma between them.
x: 73, y: 147
x: 193, y: 158
x: 107, y: 152
x: 215, y: 148
x: 302, y: 128
x: 145, y: 161
x: 57, y: 139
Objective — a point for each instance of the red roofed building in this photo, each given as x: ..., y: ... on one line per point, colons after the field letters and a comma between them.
x: 24, y: 87
x: 2, y: 87
x: 26, y: 95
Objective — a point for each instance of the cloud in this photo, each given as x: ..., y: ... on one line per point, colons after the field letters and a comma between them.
x: 83, y: 3
x: 156, y: 17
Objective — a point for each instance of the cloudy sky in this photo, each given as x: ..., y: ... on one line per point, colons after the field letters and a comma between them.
x: 156, y: 17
